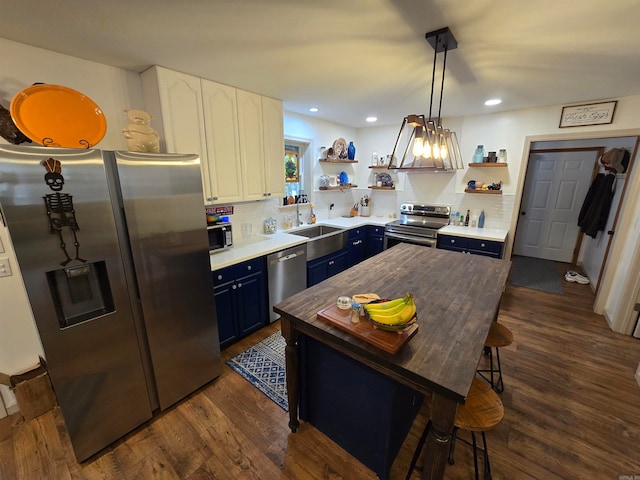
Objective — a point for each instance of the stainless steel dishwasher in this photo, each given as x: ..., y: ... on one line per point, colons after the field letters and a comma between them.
x: 287, y: 271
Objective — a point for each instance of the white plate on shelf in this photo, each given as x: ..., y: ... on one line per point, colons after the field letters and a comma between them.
x: 340, y: 148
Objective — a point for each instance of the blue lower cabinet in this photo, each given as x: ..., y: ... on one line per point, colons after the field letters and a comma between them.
x: 322, y: 268
x: 365, y: 412
x: 357, y: 245
x: 375, y: 240
x: 475, y: 246
x: 240, y: 293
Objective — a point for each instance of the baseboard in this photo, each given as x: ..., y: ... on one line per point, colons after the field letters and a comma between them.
x: 638, y: 376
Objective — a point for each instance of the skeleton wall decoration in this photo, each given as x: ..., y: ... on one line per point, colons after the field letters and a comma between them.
x: 62, y: 216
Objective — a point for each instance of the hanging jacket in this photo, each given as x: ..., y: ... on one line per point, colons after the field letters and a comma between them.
x: 595, y: 208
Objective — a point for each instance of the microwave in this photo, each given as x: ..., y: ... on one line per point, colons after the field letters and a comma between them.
x: 220, y: 236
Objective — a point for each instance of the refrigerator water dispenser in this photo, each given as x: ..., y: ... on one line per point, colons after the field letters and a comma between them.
x: 80, y: 293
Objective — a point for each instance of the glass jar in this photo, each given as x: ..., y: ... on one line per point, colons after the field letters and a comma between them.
x: 478, y: 156
x: 270, y: 225
x: 502, y: 156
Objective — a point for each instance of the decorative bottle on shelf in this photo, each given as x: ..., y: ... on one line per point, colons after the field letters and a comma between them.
x: 478, y: 156
x: 481, y: 220
x: 466, y: 219
x: 351, y: 151
x: 502, y: 156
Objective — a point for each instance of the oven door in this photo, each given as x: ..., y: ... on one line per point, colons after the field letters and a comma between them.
x: 391, y: 239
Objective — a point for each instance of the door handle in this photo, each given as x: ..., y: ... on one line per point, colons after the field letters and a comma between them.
x: 523, y: 213
x: 611, y: 232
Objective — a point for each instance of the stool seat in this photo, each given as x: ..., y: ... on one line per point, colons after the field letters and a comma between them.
x: 499, y: 336
x: 483, y: 409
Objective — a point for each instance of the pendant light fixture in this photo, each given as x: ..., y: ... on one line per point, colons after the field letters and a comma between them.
x: 423, y: 142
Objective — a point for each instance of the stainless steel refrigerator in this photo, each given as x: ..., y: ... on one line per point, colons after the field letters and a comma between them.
x: 114, y: 254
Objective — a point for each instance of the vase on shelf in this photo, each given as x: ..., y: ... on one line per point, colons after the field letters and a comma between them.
x: 351, y: 151
x: 478, y: 156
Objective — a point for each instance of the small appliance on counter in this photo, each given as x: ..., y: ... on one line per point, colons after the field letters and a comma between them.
x: 220, y: 236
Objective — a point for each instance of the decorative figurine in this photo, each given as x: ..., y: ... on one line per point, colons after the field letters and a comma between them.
x: 141, y: 137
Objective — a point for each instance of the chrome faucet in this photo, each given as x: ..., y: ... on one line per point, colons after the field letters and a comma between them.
x: 298, y: 222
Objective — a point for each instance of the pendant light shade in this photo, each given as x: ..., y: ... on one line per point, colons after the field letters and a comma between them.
x: 423, y: 142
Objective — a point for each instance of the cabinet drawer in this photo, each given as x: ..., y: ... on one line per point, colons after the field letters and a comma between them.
x: 224, y: 275
x: 356, y: 232
x: 249, y: 267
x: 485, y: 246
x: 453, y: 243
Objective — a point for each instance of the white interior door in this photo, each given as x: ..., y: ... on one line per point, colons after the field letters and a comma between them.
x: 554, y: 190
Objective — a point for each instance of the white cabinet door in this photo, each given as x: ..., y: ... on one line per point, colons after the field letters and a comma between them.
x: 223, y: 145
x: 175, y: 99
x: 251, y: 145
x: 272, y: 119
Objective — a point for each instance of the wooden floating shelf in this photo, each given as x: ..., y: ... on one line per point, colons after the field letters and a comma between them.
x: 477, y: 190
x: 385, y: 167
x: 339, y: 187
x: 375, y: 187
x: 488, y: 164
x: 337, y: 160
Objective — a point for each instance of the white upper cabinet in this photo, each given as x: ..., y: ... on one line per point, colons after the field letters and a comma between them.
x: 251, y: 144
x: 261, y: 145
x: 272, y: 116
x: 223, y: 146
x: 238, y: 135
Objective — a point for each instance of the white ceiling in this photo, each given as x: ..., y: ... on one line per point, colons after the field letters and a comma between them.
x: 355, y: 58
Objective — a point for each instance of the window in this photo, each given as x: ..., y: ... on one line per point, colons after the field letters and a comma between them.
x: 294, y: 167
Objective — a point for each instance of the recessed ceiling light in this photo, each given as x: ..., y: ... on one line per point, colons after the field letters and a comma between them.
x: 492, y: 102
x: 372, y: 119
x: 314, y: 109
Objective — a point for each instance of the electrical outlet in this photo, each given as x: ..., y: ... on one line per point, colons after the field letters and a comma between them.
x: 5, y: 267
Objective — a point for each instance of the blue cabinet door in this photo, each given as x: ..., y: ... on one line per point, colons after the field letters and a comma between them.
x: 241, y: 300
x: 338, y: 263
x: 316, y: 273
x: 227, y: 325
x: 251, y: 303
x: 322, y: 268
x: 375, y: 240
x: 357, y: 250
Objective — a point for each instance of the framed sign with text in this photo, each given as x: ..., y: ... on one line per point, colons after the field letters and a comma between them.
x: 588, y: 114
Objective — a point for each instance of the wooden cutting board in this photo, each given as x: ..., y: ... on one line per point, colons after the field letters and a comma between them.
x: 390, y: 342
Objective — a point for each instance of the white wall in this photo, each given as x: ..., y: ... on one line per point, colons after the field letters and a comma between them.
x: 114, y: 90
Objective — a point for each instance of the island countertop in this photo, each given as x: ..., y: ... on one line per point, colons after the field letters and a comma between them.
x: 457, y: 298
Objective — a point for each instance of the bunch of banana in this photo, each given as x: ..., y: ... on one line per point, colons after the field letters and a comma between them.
x: 392, y: 312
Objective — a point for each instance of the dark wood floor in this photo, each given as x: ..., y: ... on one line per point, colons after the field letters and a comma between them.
x: 572, y: 411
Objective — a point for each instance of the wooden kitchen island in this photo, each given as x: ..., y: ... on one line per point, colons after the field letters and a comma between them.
x: 457, y: 297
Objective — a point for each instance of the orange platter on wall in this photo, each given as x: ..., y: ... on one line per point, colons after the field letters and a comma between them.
x: 57, y: 116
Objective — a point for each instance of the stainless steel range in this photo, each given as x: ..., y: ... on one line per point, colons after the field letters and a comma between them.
x: 418, y: 224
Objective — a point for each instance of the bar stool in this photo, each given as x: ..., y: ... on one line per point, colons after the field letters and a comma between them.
x: 499, y: 336
x: 482, y: 411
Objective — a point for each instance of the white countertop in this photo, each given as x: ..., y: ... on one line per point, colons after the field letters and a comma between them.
x: 262, y: 244
x: 495, y: 234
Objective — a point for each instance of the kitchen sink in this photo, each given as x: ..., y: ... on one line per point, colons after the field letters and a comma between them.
x: 323, y: 240
x: 317, y: 231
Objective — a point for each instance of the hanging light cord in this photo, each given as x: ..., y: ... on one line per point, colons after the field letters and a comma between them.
x: 444, y: 67
x: 433, y: 75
